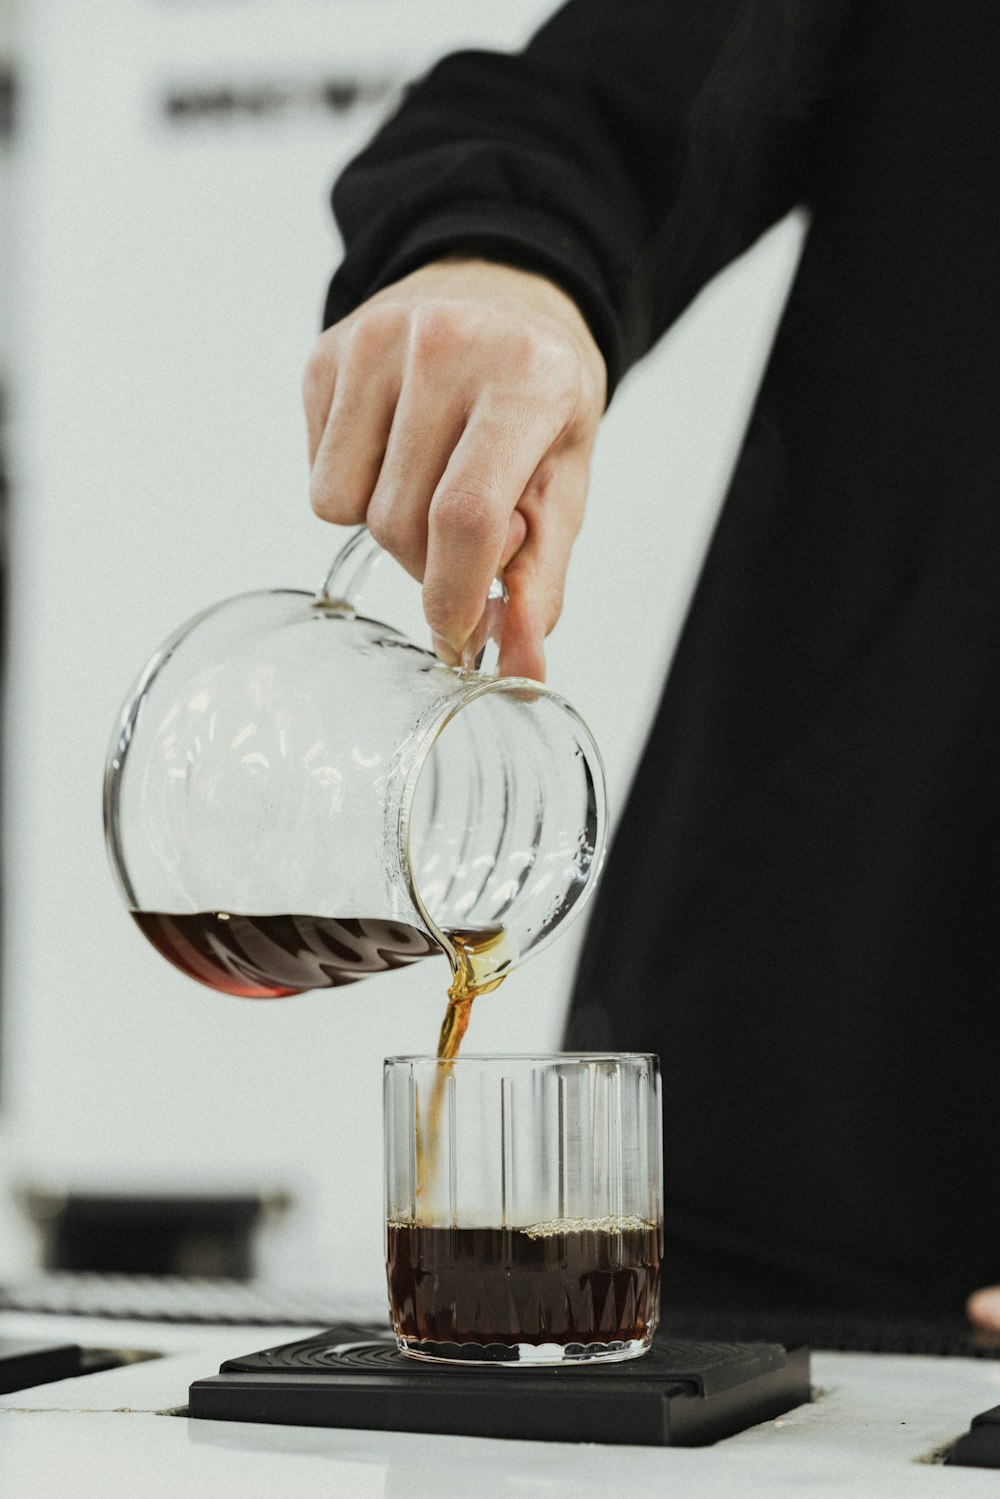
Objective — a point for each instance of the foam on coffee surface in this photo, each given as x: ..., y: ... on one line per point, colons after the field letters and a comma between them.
x: 552, y: 1227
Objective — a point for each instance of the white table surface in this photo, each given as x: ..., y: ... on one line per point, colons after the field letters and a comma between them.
x: 872, y: 1431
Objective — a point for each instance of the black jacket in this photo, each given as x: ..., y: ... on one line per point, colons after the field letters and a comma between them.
x: 802, y: 908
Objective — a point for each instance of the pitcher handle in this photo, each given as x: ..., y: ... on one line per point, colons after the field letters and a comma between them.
x: 361, y: 555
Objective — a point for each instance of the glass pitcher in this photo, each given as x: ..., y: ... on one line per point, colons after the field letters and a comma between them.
x: 297, y: 795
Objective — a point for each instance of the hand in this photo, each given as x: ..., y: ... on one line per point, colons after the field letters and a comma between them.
x: 983, y: 1309
x: 454, y: 413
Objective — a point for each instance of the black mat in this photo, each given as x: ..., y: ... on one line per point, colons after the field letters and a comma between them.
x: 938, y: 1337
x: 682, y: 1393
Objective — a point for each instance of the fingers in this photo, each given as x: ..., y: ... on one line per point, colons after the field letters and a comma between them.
x: 351, y: 365
x: 350, y: 450
x: 453, y: 413
x: 983, y: 1309
x: 317, y: 392
x: 517, y: 531
x: 456, y: 500
x: 426, y: 426
x: 393, y: 428
x: 552, y: 507
x: 470, y: 524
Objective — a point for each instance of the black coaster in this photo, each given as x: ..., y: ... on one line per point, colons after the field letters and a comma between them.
x: 24, y: 1363
x: 980, y: 1447
x: 681, y: 1393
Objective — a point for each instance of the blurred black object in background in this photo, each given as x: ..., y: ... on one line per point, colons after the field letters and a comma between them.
x: 190, y: 1235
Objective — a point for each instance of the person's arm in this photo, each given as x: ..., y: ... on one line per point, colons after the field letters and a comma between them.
x: 590, y: 185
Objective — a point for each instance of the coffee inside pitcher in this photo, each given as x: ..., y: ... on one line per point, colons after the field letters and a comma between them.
x: 269, y: 957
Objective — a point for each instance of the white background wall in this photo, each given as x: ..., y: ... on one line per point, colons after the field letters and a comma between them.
x: 168, y: 287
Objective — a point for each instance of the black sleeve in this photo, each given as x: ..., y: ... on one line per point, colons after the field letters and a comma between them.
x: 632, y: 149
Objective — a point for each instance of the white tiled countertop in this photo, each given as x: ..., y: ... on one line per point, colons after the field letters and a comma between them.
x: 872, y: 1431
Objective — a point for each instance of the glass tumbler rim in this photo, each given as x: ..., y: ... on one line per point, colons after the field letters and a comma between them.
x: 523, y: 1056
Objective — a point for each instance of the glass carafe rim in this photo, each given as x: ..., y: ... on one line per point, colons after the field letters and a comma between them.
x: 473, y: 687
